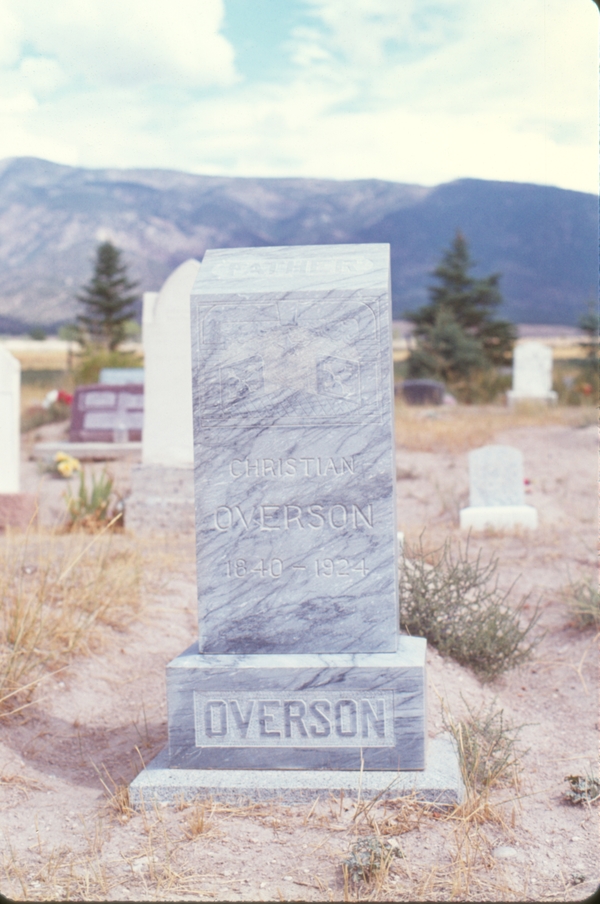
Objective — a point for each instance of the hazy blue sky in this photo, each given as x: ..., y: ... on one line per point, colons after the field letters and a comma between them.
x: 410, y: 90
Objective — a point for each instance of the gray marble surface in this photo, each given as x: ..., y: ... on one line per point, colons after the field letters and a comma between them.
x: 301, y: 711
x: 294, y: 464
x: 496, y: 476
x: 441, y: 782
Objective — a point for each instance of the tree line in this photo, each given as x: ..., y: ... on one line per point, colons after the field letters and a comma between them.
x: 458, y: 338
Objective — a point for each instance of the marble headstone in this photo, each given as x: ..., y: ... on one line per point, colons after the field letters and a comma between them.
x: 293, y: 417
x: 496, y: 497
x: 162, y: 487
x: 299, y: 664
x: 532, y: 372
x: 106, y: 413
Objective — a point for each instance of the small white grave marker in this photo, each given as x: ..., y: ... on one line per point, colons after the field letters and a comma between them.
x: 532, y: 373
x: 497, y: 497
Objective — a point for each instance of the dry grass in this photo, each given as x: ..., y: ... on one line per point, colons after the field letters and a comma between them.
x: 58, y: 593
x: 457, y: 429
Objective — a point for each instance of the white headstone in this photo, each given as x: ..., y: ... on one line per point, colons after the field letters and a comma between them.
x: 532, y: 372
x: 497, y: 498
x: 168, y: 432
x: 10, y: 420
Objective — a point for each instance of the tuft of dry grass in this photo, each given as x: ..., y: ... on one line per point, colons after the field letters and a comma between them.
x: 459, y: 428
x: 57, y: 594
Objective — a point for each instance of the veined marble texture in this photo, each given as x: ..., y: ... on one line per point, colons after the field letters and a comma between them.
x: 294, y: 463
x: 303, y: 711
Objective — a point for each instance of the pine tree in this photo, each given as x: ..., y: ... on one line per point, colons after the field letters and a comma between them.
x: 108, y: 300
x: 456, y: 332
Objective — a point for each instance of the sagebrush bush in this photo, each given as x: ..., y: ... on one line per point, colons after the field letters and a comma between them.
x: 455, y: 603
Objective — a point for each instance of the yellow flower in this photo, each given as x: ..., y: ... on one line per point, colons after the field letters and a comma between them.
x: 66, y: 464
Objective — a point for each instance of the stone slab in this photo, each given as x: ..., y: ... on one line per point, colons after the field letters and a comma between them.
x: 18, y: 510
x: 293, y: 425
x: 501, y: 517
x: 514, y: 397
x: 496, y: 477
x: 88, y: 451
x: 161, y: 500
x: 301, y: 711
x: 532, y: 372
x: 441, y: 782
x: 105, y: 414
x: 121, y: 376
x: 10, y: 420
x: 168, y: 432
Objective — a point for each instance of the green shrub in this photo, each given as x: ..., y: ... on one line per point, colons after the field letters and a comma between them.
x: 456, y: 604
x: 93, y: 507
x: 37, y: 415
x: 369, y: 858
x: 583, y: 600
x: 583, y: 789
x: 93, y: 359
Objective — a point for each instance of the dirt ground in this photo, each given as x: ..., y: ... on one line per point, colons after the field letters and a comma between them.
x: 68, y: 833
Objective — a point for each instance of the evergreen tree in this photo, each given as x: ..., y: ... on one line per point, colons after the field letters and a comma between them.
x: 108, y: 300
x: 456, y: 332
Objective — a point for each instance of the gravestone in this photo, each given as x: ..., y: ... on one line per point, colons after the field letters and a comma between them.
x: 162, y: 487
x: 496, y: 496
x: 121, y: 376
x: 423, y: 392
x: 532, y: 373
x: 300, y: 664
x: 16, y: 509
x: 107, y: 414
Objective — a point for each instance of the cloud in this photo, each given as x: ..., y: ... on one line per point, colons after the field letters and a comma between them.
x: 412, y: 91
x: 137, y: 42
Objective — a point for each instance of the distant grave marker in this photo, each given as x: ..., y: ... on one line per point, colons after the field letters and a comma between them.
x: 121, y: 376
x: 102, y: 413
x: 162, y: 487
x: 532, y: 373
x: 16, y: 509
x: 423, y: 392
x: 497, y: 497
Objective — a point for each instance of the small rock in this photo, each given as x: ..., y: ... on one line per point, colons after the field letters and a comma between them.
x: 505, y: 852
x: 288, y: 878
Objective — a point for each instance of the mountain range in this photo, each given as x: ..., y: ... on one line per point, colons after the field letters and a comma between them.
x: 542, y: 240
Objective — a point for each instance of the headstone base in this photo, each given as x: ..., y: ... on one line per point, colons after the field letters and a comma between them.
x: 441, y: 782
x: 17, y: 510
x: 161, y: 499
x: 550, y: 397
x: 88, y: 451
x: 299, y: 711
x: 503, y: 517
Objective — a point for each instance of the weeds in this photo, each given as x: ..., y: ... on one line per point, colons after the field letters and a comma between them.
x: 369, y: 858
x: 583, y: 789
x: 93, y: 507
x: 487, y: 748
x: 455, y: 603
x: 583, y: 599
x: 56, y: 593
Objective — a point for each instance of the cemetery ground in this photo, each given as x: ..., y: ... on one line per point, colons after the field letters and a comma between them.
x: 90, y: 622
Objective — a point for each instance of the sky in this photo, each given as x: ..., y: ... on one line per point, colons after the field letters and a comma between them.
x: 415, y: 91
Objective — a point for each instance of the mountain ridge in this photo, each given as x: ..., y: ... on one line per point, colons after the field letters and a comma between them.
x: 540, y: 238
